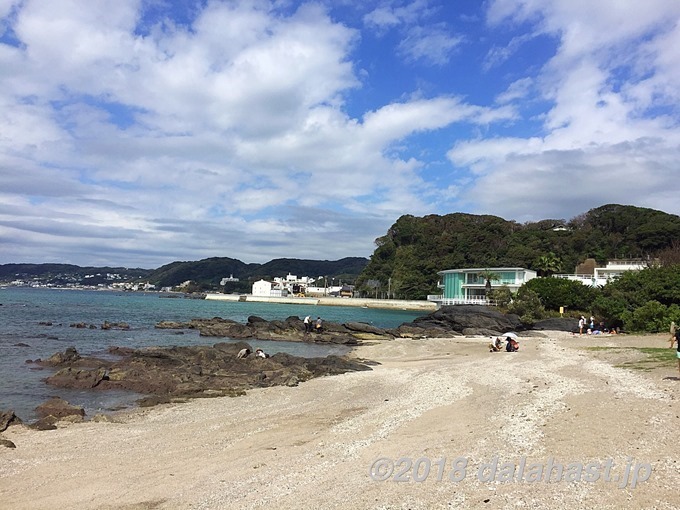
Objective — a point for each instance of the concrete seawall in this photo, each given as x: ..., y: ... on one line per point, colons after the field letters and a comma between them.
x: 390, y: 304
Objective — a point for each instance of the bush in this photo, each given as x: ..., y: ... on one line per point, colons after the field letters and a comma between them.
x: 527, y: 305
x: 650, y: 317
x: 642, y: 300
x: 502, y: 296
x: 557, y: 292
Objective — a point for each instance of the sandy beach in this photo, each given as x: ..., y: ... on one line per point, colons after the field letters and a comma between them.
x: 446, y: 404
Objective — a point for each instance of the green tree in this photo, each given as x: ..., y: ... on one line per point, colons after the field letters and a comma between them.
x: 502, y: 296
x: 650, y: 317
x: 489, y: 276
x: 557, y: 292
x: 549, y: 264
x: 643, y: 300
x: 527, y: 305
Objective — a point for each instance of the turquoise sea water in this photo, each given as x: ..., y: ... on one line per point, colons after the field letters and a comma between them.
x: 22, y: 385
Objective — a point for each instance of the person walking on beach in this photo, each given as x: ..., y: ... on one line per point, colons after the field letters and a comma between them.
x: 676, y: 339
x: 672, y: 332
x: 581, y: 324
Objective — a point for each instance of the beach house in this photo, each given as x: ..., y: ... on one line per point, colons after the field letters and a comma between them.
x: 592, y: 276
x: 469, y: 286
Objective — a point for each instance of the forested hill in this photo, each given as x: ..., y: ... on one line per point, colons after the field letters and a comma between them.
x: 415, y: 249
x: 207, y: 273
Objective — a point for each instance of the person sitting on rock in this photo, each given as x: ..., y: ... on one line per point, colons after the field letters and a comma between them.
x: 243, y: 353
x: 319, y: 325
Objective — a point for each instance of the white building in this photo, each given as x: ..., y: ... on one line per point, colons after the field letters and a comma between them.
x: 231, y: 278
x: 262, y: 288
x: 603, y: 275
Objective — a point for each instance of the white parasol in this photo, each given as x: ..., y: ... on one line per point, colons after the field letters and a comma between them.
x: 511, y: 335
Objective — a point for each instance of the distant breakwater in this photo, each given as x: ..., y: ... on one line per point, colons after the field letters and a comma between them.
x: 387, y: 304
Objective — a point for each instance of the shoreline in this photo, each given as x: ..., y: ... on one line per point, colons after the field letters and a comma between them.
x: 386, y: 304
x: 311, y: 446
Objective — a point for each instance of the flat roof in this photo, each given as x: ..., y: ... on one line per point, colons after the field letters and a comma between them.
x: 482, y: 269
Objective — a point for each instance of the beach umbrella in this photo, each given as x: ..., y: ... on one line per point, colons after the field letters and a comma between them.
x: 511, y: 335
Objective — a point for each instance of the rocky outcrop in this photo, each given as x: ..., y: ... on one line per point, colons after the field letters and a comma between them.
x: 472, y: 320
x: 557, y: 324
x: 70, y: 355
x: 8, y: 418
x: 115, y: 325
x: 290, y: 329
x: 54, y: 410
x: 58, y: 408
x: 197, y: 371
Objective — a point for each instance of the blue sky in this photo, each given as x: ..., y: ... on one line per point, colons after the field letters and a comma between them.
x: 139, y: 132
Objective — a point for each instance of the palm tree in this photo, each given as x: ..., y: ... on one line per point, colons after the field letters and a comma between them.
x: 548, y: 264
x: 489, y: 276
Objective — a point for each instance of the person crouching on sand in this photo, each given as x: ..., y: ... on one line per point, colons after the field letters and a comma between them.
x: 512, y: 345
x: 496, y: 346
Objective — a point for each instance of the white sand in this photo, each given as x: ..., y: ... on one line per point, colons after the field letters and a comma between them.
x: 311, y: 446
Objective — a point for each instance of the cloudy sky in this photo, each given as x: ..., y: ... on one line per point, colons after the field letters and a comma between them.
x: 139, y: 132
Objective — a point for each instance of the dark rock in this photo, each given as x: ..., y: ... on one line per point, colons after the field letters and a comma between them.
x: 480, y: 332
x: 82, y: 325
x: 58, y: 408
x: 7, y: 443
x: 168, y: 374
x: 120, y: 351
x: 8, y: 418
x: 364, y: 328
x: 76, y: 378
x: 557, y: 324
x: 414, y: 331
x: 461, y: 317
x: 172, y: 325
x: 21, y: 344
x: 115, y: 325
x: 47, y: 423
x: 70, y: 355
x: 292, y: 329
x: 254, y: 319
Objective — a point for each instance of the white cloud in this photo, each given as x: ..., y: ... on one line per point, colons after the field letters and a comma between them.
x: 609, y: 134
x: 433, y: 44
x: 137, y: 141
x: 424, y: 39
x: 193, y: 139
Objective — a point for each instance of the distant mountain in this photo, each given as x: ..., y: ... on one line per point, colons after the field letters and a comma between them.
x: 206, y: 274
x: 413, y: 250
x: 64, y: 274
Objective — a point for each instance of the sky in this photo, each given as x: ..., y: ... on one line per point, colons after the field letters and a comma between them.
x: 139, y: 132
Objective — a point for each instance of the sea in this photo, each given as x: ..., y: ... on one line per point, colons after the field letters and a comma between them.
x: 35, y: 323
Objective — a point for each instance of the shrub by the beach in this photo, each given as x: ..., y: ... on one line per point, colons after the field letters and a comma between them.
x: 527, y: 305
x: 557, y: 292
x: 502, y: 296
x: 636, y: 288
x: 632, y: 299
x: 652, y: 317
